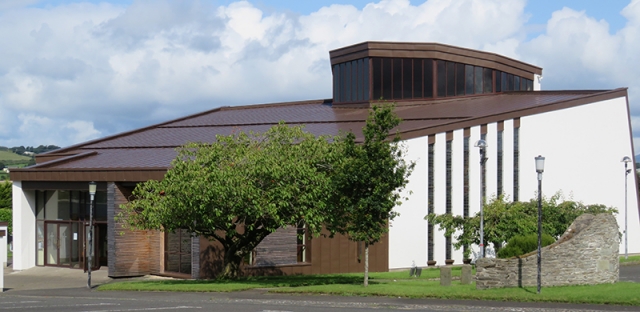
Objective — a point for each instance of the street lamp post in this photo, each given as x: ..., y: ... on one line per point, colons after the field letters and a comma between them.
x: 539, y: 170
x: 92, y: 192
x: 482, y: 144
x: 626, y: 160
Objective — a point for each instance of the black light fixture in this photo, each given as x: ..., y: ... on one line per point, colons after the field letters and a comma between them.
x: 92, y: 192
x: 539, y: 170
x: 626, y: 160
x: 482, y: 145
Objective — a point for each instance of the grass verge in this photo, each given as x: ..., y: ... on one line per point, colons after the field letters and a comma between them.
x: 630, y: 260
x: 396, y: 284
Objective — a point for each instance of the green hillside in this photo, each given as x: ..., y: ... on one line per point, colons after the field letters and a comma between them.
x: 8, y: 155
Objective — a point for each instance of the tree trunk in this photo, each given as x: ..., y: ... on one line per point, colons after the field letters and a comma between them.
x: 366, y: 264
x: 231, y: 269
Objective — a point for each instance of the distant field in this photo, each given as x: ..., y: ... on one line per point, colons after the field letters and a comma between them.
x: 7, y: 155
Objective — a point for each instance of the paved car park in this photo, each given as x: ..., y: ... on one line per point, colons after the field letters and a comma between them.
x: 54, y: 289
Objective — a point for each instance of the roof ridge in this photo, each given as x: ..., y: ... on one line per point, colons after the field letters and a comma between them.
x: 277, y: 104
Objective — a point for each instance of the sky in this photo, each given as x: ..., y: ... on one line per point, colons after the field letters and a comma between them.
x: 76, y: 70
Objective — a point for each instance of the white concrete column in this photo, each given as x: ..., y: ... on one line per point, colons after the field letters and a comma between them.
x: 3, y: 245
x: 3, y: 255
x: 24, y: 227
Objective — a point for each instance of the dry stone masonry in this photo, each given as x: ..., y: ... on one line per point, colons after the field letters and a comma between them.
x: 587, y: 253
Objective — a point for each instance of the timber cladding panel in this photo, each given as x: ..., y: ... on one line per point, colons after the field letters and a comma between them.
x: 131, y: 252
x: 327, y: 256
x: 280, y: 247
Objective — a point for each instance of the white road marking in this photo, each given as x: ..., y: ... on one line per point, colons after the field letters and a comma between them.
x: 150, y: 309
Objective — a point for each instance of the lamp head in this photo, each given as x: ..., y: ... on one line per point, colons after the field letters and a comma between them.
x: 539, y: 164
x: 482, y: 144
x: 626, y: 159
x: 92, y: 188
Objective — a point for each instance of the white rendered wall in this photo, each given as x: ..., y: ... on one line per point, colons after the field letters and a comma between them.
x: 24, y: 227
x: 457, y: 182
x: 492, y: 161
x: 507, y: 159
x: 583, y: 147
x: 439, y: 195
x: 537, y: 79
x: 408, y: 232
x: 3, y: 245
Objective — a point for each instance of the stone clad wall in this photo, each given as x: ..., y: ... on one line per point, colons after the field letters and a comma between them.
x: 587, y: 253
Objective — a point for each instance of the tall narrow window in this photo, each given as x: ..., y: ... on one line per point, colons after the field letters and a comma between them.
x: 516, y: 159
x: 430, y: 193
x: 397, y: 79
x: 428, y: 78
x: 509, y: 82
x: 366, y: 79
x: 500, y: 159
x: 354, y: 80
x: 468, y: 78
x: 451, y: 78
x: 407, y: 74
x: 177, y: 252
x: 459, y: 79
x: 487, y: 80
x: 336, y: 83
x: 504, y: 81
x: 498, y: 81
x: 387, y: 74
x: 516, y: 83
x: 448, y: 191
x: 465, y: 204
x: 418, y: 80
x: 441, y: 78
x: 377, y: 78
x: 347, y: 82
x: 343, y: 79
x: 361, y: 79
x: 477, y: 86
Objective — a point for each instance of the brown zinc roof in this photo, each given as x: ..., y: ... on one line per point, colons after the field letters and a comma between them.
x: 153, y: 147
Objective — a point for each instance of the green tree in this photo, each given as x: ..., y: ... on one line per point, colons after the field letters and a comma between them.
x: 240, y: 189
x: 369, y: 181
x: 504, y: 220
x: 5, y: 204
x: 5, y: 194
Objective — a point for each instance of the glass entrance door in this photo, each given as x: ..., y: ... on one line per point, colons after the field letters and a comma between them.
x: 63, y: 244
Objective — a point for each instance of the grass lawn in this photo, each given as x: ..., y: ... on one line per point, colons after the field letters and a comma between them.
x: 631, y: 260
x: 8, y: 155
x: 397, y: 284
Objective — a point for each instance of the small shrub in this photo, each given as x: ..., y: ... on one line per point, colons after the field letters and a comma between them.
x: 523, y: 244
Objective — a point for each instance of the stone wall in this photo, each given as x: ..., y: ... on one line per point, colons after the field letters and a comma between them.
x: 587, y: 253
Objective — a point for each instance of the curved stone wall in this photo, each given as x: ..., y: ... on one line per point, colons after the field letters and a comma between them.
x: 587, y: 253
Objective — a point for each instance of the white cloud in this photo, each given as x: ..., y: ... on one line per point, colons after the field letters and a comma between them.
x: 48, y: 131
x: 85, y: 70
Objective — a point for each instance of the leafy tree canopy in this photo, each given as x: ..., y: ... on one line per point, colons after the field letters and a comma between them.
x: 504, y: 220
x: 240, y: 189
x: 5, y: 194
x: 5, y: 204
x: 369, y: 180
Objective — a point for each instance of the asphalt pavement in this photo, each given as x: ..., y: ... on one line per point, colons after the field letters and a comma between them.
x: 53, y: 289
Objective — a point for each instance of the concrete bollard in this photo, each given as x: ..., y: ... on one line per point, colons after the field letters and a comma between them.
x: 445, y: 276
x: 466, y: 276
